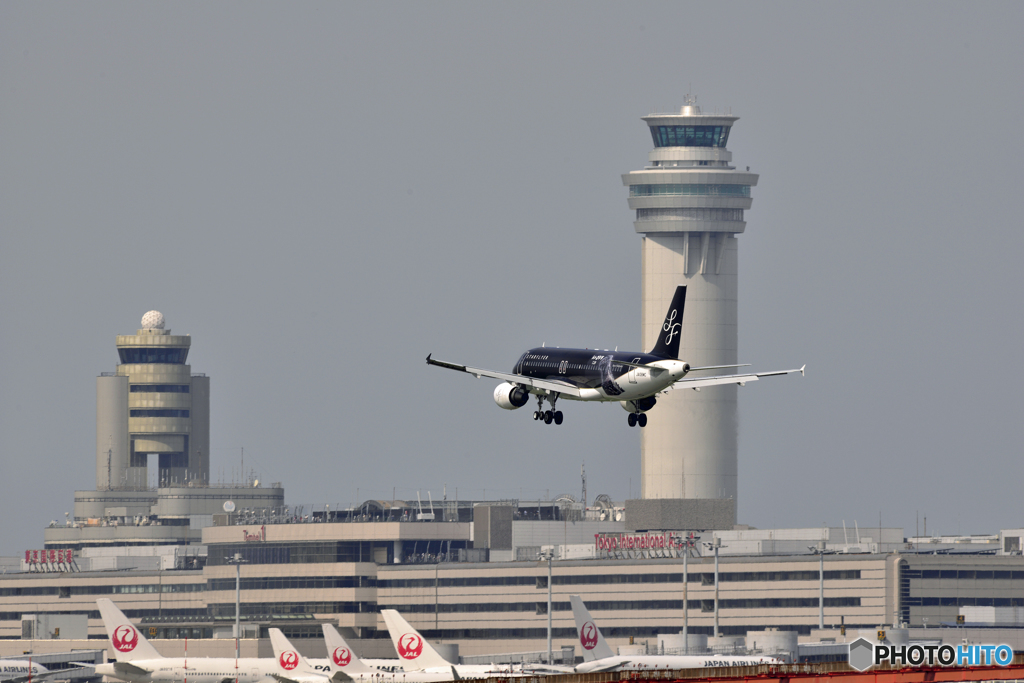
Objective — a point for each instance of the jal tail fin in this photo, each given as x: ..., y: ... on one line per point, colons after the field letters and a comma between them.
x: 288, y: 658
x: 667, y: 345
x: 415, y: 652
x: 594, y: 644
x: 128, y: 642
x: 340, y: 656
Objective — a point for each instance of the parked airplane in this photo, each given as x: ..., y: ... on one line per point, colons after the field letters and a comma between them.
x: 139, y: 662
x: 342, y: 663
x: 418, y: 655
x: 19, y: 670
x: 632, y: 378
x: 598, y: 655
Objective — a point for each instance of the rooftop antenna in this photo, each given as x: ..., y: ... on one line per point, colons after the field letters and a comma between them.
x: 583, y: 476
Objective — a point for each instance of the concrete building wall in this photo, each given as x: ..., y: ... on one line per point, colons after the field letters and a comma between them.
x: 112, y: 442
x: 199, y: 436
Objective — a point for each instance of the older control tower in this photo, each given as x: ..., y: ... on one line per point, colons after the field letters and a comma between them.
x: 689, y: 204
x: 153, y: 404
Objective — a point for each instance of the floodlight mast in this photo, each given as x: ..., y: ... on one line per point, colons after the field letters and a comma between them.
x: 237, y: 560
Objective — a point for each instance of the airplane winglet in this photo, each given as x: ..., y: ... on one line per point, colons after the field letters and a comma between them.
x: 428, y: 357
x: 802, y: 369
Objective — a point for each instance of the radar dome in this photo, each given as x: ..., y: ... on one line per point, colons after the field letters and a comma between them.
x: 153, y: 320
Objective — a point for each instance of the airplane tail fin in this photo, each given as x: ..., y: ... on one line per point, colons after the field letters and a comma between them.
x: 340, y: 656
x: 594, y: 644
x: 128, y: 642
x: 288, y: 658
x: 415, y: 652
x: 667, y: 345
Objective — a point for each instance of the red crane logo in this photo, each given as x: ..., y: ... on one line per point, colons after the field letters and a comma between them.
x: 341, y: 656
x: 410, y: 646
x: 588, y: 636
x: 125, y: 638
x: 289, y: 659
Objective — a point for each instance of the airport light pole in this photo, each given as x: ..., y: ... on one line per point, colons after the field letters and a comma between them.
x: 688, y: 542
x: 715, y: 545
x: 820, y: 551
x: 237, y: 560
x: 549, y: 555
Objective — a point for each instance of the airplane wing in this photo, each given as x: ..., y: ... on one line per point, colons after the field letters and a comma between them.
x: 545, y: 384
x: 128, y: 668
x: 698, y: 382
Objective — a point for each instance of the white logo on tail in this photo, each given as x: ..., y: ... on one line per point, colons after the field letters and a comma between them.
x: 670, y: 327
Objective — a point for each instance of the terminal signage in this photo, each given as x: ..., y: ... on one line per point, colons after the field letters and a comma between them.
x: 260, y: 535
x: 641, y: 545
x: 647, y: 541
x: 49, y: 556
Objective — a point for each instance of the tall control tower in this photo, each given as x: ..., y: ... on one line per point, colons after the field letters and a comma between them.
x: 152, y: 404
x: 689, y: 204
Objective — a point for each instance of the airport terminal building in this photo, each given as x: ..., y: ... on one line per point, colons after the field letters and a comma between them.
x: 479, y: 583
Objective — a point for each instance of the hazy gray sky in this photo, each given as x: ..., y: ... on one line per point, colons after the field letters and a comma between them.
x: 322, y: 193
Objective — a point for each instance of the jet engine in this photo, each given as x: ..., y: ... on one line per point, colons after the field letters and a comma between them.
x: 509, y: 396
x: 642, y: 405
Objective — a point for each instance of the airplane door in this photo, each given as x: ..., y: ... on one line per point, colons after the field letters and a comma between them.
x: 632, y: 372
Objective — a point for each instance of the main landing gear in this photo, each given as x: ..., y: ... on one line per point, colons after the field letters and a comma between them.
x: 547, y: 416
x: 637, y: 419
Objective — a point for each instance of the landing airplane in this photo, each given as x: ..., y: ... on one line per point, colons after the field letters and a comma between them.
x: 137, y: 661
x: 632, y: 378
x: 598, y: 655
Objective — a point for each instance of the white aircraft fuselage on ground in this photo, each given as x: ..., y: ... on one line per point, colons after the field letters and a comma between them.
x: 138, y: 662
x: 598, y: 655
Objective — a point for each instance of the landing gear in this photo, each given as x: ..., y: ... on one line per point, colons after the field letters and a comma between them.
x: 637, y: 419
x: 547, y: 416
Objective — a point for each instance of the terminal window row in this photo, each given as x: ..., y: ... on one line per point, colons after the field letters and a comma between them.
x: 68, y: 591
x: 962, y: 574
x: 692, y: 189
x: 707, y: 578
x: 160, y: 388
x: 157, y: 412
x: 288, y: 582
x: 227, y: 609
x: 160, y: 613
x: 961, y: 602
x: 623, y: 605
x: 690, y: 214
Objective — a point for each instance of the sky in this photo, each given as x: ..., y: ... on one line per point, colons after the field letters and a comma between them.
x: 321, y: 194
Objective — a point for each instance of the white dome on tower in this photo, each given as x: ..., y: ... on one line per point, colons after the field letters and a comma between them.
x: 153, y: 320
